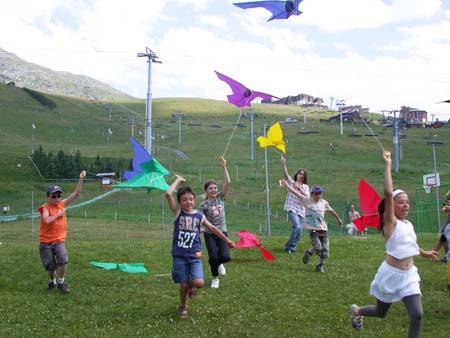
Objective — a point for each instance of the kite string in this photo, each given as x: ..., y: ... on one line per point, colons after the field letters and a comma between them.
x: 232, y: 133
x: 371, y: 131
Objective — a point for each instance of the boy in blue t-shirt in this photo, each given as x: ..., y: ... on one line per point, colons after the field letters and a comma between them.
x: 186, y: 244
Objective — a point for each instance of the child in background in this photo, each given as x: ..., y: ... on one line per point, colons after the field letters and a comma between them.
x: 186, y: 243
x: 316, y: 207
x: 397, y: 277
x: 53, y: 233
x: 213, y: 207
x: 352, y: 214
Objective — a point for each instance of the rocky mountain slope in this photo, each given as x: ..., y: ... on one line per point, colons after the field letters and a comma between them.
x: 32, y: 76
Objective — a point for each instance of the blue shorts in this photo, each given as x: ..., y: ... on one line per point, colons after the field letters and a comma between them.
x: 186, y: 269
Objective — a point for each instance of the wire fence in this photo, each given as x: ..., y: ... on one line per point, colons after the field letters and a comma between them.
x: 108, y: 214
x: 111, y: 219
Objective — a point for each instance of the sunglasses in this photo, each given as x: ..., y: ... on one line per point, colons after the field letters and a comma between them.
x: 56, y: 196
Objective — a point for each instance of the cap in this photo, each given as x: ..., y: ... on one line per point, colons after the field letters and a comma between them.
x: 317, y: 189
x: 53, y: 188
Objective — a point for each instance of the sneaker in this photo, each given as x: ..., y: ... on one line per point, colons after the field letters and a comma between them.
x: 222, y: 270
x: 357, y: 321
x: 443, y: 260
x: 63, y: 287
x: 51, y: 286
x: 306, y: 256
x: 182, y: 311
x: 215, y: 283
x: 319, y: 268
x: 192, y: 293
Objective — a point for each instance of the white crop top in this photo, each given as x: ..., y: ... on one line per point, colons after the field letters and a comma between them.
x: 403, y: 241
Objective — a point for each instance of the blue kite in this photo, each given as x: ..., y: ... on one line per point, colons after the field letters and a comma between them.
x: 279, y: 9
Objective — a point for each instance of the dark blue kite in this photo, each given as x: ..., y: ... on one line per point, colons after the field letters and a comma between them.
x: 279, y: 9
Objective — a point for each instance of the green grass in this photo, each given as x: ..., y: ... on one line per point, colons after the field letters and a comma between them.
x: 257, y: 298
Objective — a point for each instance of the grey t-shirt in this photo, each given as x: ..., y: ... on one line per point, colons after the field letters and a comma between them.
x: 214, y: 210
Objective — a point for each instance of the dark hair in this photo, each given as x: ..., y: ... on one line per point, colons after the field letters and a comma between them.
x: 184, y: 190
x: 305, y: 176
x: 207, y: 184
x: 381, y: 208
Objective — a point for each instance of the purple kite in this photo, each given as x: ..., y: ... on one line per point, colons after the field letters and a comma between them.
x: 279, y: 9
x: 242, y: 96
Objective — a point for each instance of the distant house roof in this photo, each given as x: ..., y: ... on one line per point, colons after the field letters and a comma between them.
x: 105, y: 174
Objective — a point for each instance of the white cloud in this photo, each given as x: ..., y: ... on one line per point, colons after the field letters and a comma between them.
x: 101, y: 38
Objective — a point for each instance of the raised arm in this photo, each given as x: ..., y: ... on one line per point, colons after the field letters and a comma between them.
x: 77, y: 190
x: 284, y: 167
x: 218, y: 233
x: 299, y: 193
x: 389, y: 216
x: 169, y: 193
x: 226, y: 176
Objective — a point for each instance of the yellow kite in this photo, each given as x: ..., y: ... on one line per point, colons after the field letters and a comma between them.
x: 274, y: 138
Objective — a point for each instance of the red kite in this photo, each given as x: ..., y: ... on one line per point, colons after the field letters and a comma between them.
x: 249, y: 240
x: 368, y: 202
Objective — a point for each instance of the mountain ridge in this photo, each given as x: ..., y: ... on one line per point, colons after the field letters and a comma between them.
x: 33, y: 76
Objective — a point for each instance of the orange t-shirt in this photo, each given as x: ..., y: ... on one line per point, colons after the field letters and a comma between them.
x: 57, y: 230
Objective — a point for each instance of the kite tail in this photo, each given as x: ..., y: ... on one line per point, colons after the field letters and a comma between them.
x: 268, y: 256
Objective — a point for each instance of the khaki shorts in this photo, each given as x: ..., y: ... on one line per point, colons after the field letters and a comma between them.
x: 53, y: 255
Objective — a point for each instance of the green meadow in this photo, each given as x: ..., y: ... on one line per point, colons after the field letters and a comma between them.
x: 282, y: 298
x: 257, y: 298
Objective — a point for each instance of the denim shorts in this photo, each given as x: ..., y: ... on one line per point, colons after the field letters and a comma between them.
x: 186, y: 269
x: 53, y: 255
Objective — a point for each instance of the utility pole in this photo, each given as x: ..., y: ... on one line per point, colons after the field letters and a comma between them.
x: 340, y: 104
x: 438, y: 205
x: 267, y: 186
x: 33, y: 127
x: 148, y: 107
x: 395, y: 140
x: 179, y: 116
x: 331, y: 102
x: 251, y: 137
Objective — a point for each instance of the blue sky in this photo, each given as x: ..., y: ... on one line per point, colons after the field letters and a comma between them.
x: 379, y: 54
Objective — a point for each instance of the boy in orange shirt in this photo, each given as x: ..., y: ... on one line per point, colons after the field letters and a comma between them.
x: 53, y: 233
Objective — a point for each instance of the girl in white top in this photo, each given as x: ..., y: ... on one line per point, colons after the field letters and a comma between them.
x: 397, y: 277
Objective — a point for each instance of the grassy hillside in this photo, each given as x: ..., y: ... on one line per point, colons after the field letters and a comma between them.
x: 335, y: 161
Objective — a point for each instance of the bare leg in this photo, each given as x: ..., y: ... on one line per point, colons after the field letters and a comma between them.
x: 62, y: 271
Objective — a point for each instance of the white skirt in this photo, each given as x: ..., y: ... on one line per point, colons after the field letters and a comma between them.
x: 391, y: 284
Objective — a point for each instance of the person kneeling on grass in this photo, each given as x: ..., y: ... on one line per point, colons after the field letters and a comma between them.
x: 187, y: 267
x: 397, y: 277
x: 315, y: 222
x: 53, y: 233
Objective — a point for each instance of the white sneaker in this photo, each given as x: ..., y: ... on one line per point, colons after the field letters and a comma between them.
x: 215, y: 283
x: 222, y: 270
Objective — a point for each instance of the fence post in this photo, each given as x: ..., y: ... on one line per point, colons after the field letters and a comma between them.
x: 32, y: 218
